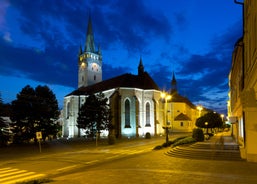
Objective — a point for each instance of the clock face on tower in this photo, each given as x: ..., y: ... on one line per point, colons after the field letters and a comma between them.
x: 95, y: 67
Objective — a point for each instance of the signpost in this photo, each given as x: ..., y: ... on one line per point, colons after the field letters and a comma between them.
x: 39, y: 137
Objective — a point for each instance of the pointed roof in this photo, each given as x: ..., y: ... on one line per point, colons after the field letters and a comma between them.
x: 173, y: 84
x: 173, y: 81
x: 140, y: 67
x: 182, y: 117
x: 126, y: 80
x: 90, y: 44
x: 80, y: 50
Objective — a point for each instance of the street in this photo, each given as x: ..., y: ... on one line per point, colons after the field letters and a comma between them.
x: 27, y: 163
x: 156, y: 167
x: 133, y: 161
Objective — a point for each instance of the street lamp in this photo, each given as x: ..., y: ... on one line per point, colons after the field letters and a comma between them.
x: 199, y: 108
x: 166, y: 97
x: 206, y: 124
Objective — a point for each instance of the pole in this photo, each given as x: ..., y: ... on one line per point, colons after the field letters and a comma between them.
x: 39, y: 143
x: 166, y: 119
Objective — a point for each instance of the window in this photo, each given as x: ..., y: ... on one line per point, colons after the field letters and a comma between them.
x: 147, y: 114
x: 68, y: 110
x: 94, y: 77
x: 181, y: 123
x: 127, y: 114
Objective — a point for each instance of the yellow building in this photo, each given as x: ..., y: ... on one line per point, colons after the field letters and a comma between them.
x: 181, y: 113
x: 242, y: 105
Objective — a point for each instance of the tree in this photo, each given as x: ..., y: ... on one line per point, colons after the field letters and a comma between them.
x: 32, y: 111
x: 209, y: 120
x: 5, y: 135
x: 46, y: 111
x: 94, y: 115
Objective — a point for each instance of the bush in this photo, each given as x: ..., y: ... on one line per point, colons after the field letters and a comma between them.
x: 186, y: 140
x: 198, y: 134
x: 157, y: 147
x: 167, y: 144
x: 148, y: 135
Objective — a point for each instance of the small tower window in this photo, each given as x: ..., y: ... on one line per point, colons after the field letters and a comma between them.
x: 94, y: 77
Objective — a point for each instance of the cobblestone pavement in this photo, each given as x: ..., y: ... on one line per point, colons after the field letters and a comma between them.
x: 156, y: 167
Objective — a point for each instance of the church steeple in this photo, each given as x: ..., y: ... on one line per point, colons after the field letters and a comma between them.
x: 173, y: 84
x: 140, y: 67
x: 89, y: 61
x: 90, y: 44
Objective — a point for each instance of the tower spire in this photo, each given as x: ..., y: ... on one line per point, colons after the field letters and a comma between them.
x: 90, y: 45
x: 173, y: 84
x: 140, y: 67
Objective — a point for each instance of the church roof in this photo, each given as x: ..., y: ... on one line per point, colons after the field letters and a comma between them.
x: 182, y: 117
x: 143, y: 81
x: 178, y: 98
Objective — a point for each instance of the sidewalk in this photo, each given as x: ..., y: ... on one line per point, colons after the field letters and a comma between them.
x: 224, y: 139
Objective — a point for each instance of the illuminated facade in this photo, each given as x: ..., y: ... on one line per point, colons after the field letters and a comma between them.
x: 242, y: 105
x: 135, y: 100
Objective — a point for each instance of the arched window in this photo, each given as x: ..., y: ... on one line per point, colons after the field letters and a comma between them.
x: 68, y: 110
x: 127, y: 114
x: 147, y: 114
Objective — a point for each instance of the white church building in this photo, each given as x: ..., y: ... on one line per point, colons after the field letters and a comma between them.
x: 135, y: 100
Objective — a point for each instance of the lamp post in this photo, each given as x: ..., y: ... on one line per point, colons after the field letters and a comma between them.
x: 206, y: 124
x: 166, y: 98
x: 199, y: 108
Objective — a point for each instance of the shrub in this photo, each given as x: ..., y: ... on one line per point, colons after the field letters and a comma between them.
x: 198, y: 134
x: 167, y: 144
x: 157, y: 147
x: 148, y: 135
x: 186, y: 140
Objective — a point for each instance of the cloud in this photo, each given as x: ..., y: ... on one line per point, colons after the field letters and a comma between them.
x: 131, y: 24
x: 52, y: 66
x: 43, y: 41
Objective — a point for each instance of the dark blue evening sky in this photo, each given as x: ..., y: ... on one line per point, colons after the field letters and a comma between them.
x: 40, y: 39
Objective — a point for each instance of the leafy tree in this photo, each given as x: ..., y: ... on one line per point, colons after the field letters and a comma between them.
x: 213, y: 119
x: 94, y: 115
x: 32, y: 111
x: 46, y: 111
x: 22, y: 115
x: 5, y: 135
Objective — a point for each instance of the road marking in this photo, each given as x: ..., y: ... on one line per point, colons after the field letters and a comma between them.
x: 115, y: 156
x: 66, y: 168
x: 13, y: 175
x: 92, y: 162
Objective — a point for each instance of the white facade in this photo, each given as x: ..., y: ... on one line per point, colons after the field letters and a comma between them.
x: 145, y: 113
x: 135, y: 100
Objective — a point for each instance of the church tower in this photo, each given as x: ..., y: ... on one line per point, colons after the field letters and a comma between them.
x: 173, y: 84
x: 89, y: 61
x: 140, y: 67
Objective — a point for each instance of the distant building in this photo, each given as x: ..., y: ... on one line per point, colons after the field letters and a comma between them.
x: 242, y: 104
x: 135, y: 100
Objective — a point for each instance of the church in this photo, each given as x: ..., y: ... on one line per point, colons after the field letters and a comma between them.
x: 137, y: 104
